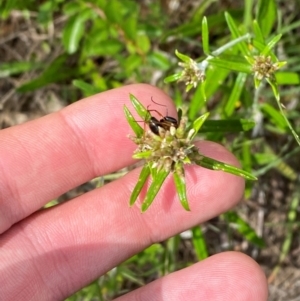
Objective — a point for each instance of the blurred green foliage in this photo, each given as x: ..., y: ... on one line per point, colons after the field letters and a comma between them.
x: 102, y: 44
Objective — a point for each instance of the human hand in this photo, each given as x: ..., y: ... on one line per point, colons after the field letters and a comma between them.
x: 49, y: 254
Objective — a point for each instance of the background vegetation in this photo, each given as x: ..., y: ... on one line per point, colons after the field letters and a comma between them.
x: 55, y: 52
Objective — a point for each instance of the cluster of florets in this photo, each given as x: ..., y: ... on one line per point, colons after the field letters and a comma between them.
x: 263, y: 67
x: 167, y: 148
x: 191, y: 73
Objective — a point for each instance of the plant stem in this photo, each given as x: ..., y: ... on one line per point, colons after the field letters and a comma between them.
x: 203, y: 65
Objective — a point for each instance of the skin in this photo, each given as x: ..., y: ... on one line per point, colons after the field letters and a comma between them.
x: 49, y: 254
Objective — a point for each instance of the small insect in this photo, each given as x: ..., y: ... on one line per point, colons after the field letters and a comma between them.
x: 165, y: 122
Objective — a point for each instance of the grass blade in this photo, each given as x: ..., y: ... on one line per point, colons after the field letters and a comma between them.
x: 205, y: 36
x: 140, y: 184
x: 235, y: 94
x: 266, y: 15
x: 180, y: 185
x: 138, y: 130
x: 238, y: 66
x: 217, y: 165
x: 243, y: 228
x: 158, y: 180
x: 287, y: 243
x: 199, y: 243
x: 271, y: 44
x: 87, y: 88
x: 197, y: 124
x: 227, y: 126
x: 258, y: 33
x: 277, y: 97
x: 236, y: 33
x: 140, y: 109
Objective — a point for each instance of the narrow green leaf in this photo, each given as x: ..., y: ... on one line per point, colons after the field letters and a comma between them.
x: 159, y: 60
x: 189, y: 87
x: 227, y: 126
x: 218, y: 165
x: 131, y: 63
x: 235, y: 94
x: 257, y: 82
x: 138, y: 130
x: 248, y: 13
x: 173, y: 78
x: 231, y: 45
x: 96, y: 46
x: 45, y: 12
x: 279, y: 162
x: 183, y: 57
x: 244, y: 228
x: 281, y: 64
x: 260, y: 47
x: 205, y: 36
x: 236, y: 33
x: 197, y: 124
x: 274, y: 161
x: 277, y: 97
x: 143, y: 43
x: 56, y: 71
x: 266, y: 15
x: 6, y: 7
x: 140, y: 109
x: 51, y: 204
x: 130, y: 27
x: 244, y: 67
x: 271, y: 44
x: 250, y: 60
x: 291, y: 218
x: 143, y: 155
x: 113, y: 11
x: 287, y: 78
x: 274, y: 87
x: 274, y: 41
x: 289, y: 26
x: 197, y: 102
x: 203, y: 89
x: 199, y: 243
x: 179, y: 179
x: 13, y: 68
x: 153, y: 170
x: 258, y: 33
x: 154, y: 188
x: 140, y: 184
x: 87, y: 88
x: 74, y: 30
x: 123, y: 272
x: 288, y: 240
x: 275, y: 116
x: 73, y: 7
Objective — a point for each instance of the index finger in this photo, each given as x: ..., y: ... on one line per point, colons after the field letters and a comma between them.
x: 44, y: 158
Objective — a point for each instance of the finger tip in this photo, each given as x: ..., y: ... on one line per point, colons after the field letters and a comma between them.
x: 241, y: 272
x: 226, y: 276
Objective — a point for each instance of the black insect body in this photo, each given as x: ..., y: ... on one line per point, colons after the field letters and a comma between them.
x: 154, y: 124
x: 165, y: 122
x: 168, y: 121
